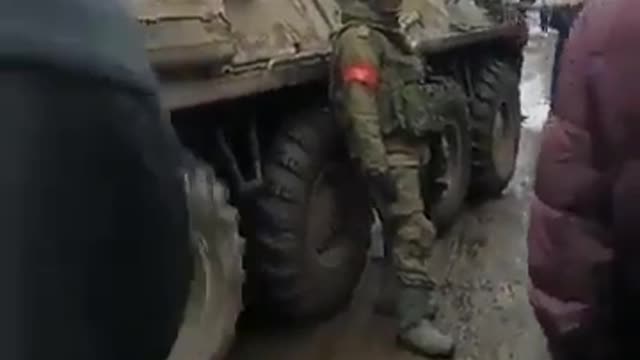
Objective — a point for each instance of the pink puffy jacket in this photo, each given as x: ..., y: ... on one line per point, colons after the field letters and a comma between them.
x: 585, y: 214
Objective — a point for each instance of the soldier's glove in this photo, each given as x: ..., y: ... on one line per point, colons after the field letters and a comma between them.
x: 383, y: 184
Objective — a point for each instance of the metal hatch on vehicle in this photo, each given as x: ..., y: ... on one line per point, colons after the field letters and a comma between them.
x: 183, y: 33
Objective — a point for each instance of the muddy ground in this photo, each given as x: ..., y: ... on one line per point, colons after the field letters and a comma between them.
x: 483, y: 267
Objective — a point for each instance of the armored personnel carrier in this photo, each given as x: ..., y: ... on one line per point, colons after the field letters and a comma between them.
x: 246, y: 84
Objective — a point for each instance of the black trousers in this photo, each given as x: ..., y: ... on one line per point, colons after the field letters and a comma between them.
x: 561, y: 19
x: 544, y: 18
x: 94, y: 257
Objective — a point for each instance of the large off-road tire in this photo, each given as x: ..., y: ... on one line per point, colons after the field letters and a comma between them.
x: 215, y: 298
x: 495, y: 128
x: 446, y: 178
x: 313, y: 221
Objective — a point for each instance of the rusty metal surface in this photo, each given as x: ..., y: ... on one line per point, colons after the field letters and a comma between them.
x: 232, y: 38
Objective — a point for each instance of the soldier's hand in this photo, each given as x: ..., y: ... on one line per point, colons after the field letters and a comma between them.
x: 383, y: 184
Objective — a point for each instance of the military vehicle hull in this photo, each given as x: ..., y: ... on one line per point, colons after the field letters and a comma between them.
x: 246, y: 47
x: 246, y: 83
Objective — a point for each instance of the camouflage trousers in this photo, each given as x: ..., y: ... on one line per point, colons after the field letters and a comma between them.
x: 407, y: 231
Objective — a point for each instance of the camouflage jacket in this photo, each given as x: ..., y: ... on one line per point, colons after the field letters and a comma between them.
x: 376, y: 84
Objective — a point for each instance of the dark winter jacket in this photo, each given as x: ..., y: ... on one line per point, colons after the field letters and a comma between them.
x: 561, y: 19
x: 91, y: 36
x: 95, y: 258
x: 584, y: 216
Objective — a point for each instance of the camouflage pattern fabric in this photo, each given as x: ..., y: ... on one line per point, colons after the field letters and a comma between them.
x: 356, y: 106
x: 364, y: 83
x: 406, y: 226
x: 378, y: 92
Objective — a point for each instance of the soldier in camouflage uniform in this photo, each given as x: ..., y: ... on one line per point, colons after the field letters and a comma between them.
x: 378, y: 95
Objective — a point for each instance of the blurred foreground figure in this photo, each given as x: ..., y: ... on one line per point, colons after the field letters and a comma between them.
x: 585, y: 217
x: 94, y: 249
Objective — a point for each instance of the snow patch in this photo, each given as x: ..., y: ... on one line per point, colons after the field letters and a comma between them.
x: 534, y: 88
x: 535, y: 104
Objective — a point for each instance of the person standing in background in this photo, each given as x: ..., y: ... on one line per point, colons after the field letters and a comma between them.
x: 561, y: 17
x: 545, y: 11
x: 94, y: 257
x: 583, y: 248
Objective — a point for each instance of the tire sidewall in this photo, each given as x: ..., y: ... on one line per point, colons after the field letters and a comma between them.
x: 487, y: 178
x: 511, y: 101
x: 295, y: 284
x: 444, y: 208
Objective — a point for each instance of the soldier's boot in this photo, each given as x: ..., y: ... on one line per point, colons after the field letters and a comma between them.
x: 417, y: 333
x: 425, y: 339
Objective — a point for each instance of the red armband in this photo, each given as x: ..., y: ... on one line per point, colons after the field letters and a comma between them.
x: 363, y: 73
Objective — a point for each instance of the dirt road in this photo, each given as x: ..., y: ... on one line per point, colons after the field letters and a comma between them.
x: 483, y: 262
